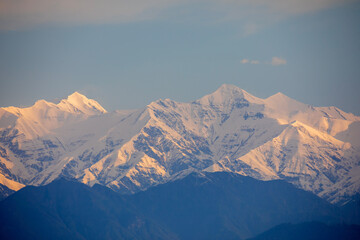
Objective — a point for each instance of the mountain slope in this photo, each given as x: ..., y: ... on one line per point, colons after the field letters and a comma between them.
x: 229, y: 206
x: 71, y: 210
x: 228, y: 130
x: 311, y: 231
x: 29, y: 139
x: 199, y: 206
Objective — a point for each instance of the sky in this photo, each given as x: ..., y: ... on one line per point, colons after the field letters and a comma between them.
x: 128, y: 53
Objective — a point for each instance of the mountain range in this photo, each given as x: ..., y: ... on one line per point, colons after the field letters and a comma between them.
x: 313, y: 148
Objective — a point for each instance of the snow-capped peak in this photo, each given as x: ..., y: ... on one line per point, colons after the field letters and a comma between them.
x: 76, y: 95
x: 43, y: 117
x: 282, y: 102
x: 78, y: 103
x: 228, y: 93
x: 43, y: 103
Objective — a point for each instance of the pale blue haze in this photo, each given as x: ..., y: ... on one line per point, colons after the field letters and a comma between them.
x: 128, y: 65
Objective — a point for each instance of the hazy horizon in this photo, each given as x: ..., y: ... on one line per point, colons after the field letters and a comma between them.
x: 129, y: 54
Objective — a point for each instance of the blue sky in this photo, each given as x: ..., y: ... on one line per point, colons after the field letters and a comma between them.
x: 126, y: 54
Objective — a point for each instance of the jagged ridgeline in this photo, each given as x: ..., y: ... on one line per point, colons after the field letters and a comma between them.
x: 314, y: 148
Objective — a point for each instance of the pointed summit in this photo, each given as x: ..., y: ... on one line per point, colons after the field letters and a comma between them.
x: 42, y: 104
x: 76, y: 95
x: 78, y: 103
x: 77, y: 99
x: 284, y: 103
x: 279, y: 96
x: 230, y: 89
x: 228, y: 93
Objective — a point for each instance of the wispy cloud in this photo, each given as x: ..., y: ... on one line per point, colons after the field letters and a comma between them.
x: 23, y: 14
x: 255, y: 62
x: 20, y: 14
x: 250, y: 29
x: 281, y: 7
x: 244, y: 61
x: 248, y: 61
x: 275, y: 61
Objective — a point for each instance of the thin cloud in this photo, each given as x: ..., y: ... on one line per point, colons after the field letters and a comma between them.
x: 282, y: 7
x: 276, y: 61
x: 247, y: 61
x: 23, y: 14
x: 250, y: 29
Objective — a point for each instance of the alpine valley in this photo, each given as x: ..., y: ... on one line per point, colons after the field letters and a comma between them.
x: 316, y: 149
